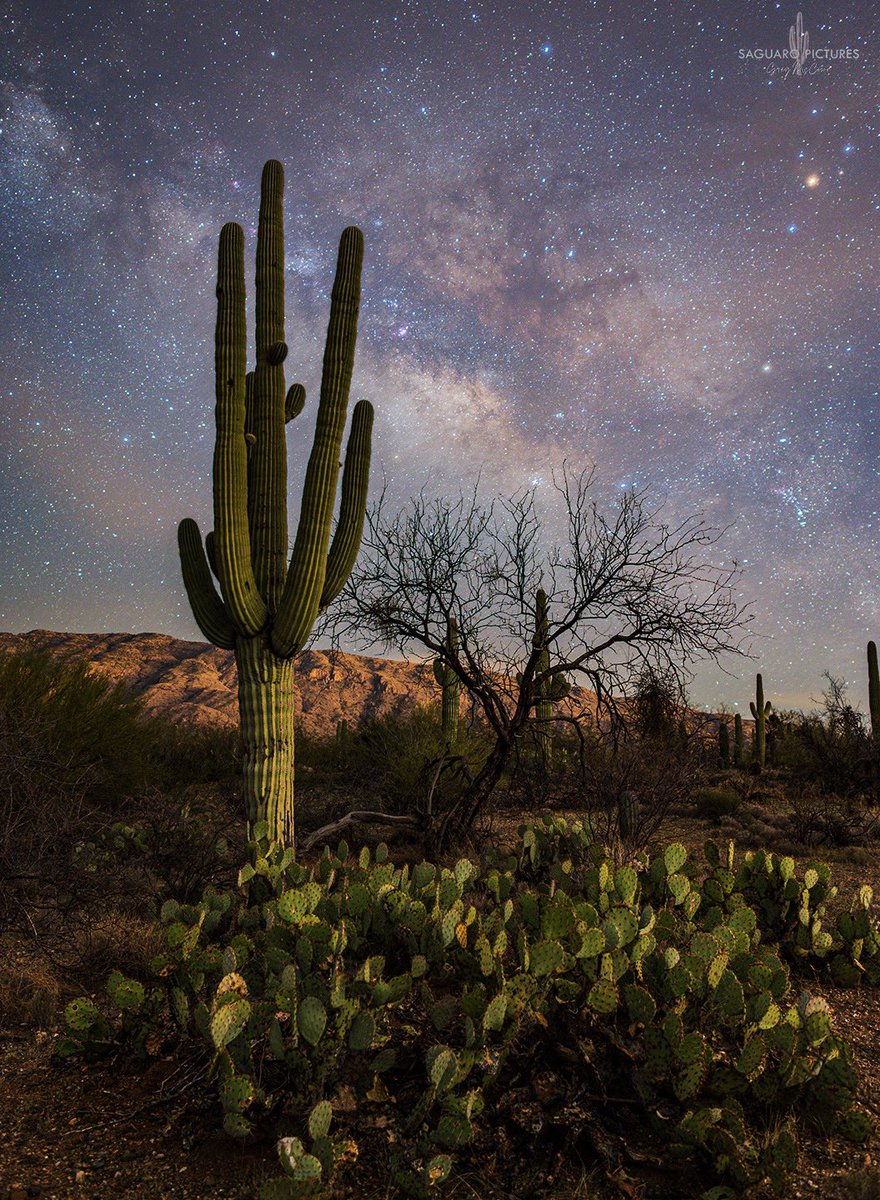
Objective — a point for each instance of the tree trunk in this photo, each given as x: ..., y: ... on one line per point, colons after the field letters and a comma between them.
x: 458, y: 821
x: 265, y: 703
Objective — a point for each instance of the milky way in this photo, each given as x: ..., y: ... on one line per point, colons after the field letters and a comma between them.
x: 594, y: 232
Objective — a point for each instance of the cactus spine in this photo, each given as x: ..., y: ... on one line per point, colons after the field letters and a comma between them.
x: 760, y: 711
x: 874, y: 691
x: 266, y: 607
x: 449, y: 682
x: 738, y: 741
x: 724, y: 743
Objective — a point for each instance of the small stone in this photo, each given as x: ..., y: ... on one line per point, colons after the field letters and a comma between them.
x: 80, y: 1176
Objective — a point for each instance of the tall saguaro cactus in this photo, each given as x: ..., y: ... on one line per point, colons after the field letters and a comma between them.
x: 874, y: 691
x: 760, y: 711
x: 266, y: 606
x: 449, y: 684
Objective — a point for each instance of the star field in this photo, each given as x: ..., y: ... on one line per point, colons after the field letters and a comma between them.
x: 594, y: 231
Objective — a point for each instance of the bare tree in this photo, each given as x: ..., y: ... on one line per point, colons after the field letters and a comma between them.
x: 625, y: 592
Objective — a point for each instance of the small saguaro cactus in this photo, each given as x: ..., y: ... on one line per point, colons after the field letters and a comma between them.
x: 760, y: 711
x: 738, y: 741
x: 724, y: 743
x: 547, y: 690
x: 449, y: 683
x: 874, y: 691
x: 627, y: 814
x: 776, y: 731
x: 267, y: 606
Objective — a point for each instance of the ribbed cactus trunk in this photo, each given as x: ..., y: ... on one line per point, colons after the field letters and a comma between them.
x: 449, y: 684
x: 266, y: 703
x: 739, y: 748
x: 724, y: 744
x: 874, y: 692
x: 547, y: 690
x: 760, y: 712
x: 543, y: 703
x: 267, y: 607
x: 627, y: 814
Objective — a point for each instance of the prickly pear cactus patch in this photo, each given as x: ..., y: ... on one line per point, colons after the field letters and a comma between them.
x: 442, y: 980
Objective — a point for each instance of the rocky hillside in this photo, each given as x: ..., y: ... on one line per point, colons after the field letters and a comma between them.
x: 196, y: 681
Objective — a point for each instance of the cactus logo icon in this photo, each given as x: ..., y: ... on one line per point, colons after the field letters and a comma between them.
x: 799, y: 58
x: 799, y: 44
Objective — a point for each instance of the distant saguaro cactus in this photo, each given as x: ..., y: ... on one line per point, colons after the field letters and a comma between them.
x: 760, y: 711
x: 627, y: 814
x: 739, y: 749
x: 449, y: 683
x: 546, y: 690
x: 267, y: 606
x: 724, y: 743
x: 874, y: 691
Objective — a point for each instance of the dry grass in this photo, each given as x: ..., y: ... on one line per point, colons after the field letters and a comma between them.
x: 29, y: 995
x: 114, y: 941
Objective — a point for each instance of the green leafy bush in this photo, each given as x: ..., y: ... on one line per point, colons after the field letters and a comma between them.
x: 435, y: 980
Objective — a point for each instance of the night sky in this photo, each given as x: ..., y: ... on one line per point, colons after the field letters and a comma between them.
x: 594, y: 232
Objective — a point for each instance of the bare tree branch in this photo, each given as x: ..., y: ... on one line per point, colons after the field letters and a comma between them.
x: 626, y: 591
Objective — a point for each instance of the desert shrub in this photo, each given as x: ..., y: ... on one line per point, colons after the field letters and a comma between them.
x: 173, y: 844
x: 391, y: 759
x: 712, y: 803
x: 393, y: 751
x: 74, y: 751
x: 657, y: 705
x: 187, y: 754
x: 820, y: 818
x: 430, y: 988
x: 862, y: 1184
x: 830, y: 751
x: 628, y: 787
x: 113, y: 940
x: 77, y: 725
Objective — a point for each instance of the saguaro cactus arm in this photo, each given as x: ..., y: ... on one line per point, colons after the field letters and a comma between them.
x: 209, y: 550
x: 352, y: 507
x: 306, y: 573
x: 232, y: 544
x: 211, y: 617
x: 294, y: 402
x: 267, y: 467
